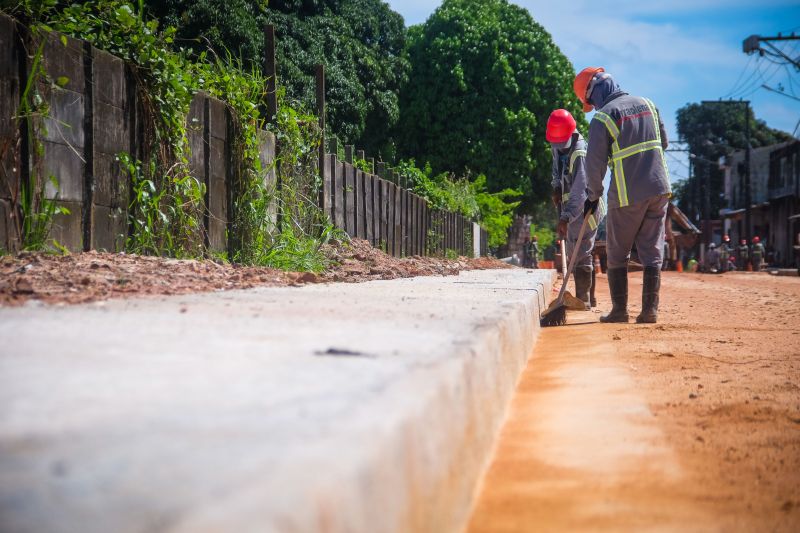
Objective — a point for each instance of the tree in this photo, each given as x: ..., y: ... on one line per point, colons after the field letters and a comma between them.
x: 711, y: 131
x: 360, y: 42
x: 484, y: 79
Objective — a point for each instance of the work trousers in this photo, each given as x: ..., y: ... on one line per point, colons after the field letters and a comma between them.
x: 584, y: 249
x: 641, y: 224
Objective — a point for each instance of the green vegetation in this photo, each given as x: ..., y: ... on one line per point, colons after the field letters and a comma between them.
x: 485, y: 77
x: 713, y: 130
x: 546, y: 236
x: 468, y: 197
x: 167, y: 207
x: 32, y: 227
x: 468, y: 91
x: 360, y: 42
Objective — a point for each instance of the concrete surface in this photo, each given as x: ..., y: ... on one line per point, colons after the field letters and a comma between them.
x: 237, y: 411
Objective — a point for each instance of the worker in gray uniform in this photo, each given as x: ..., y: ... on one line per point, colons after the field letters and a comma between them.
x: 569, y: 180
x: 627, y: 134
x: 712, y: 259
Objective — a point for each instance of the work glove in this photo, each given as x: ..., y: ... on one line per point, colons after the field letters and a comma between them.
x: 590, y: 206
x: 562, y: 228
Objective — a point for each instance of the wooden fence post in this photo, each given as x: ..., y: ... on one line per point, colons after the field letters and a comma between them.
x: 270, y: 72
x: 320, y: 75
x: 334, y: 148
x: 271, y: 75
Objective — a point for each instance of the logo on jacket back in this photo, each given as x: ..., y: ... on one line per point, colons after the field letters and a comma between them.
x: 636, y: 111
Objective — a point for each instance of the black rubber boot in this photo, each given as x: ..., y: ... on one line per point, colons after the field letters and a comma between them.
x: 592, y: 299
x: 650, y: 287
x: 618, y: 286
x: 583, y: 282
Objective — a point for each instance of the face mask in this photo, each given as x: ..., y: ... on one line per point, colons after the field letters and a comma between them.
x: 563, y: 147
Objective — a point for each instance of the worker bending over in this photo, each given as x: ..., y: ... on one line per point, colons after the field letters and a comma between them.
x: 628, y: 135
x: 569, y: 194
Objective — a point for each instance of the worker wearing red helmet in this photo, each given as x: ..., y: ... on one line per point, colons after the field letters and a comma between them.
x: 569, y: 193
x: 757, y: 253
x: 743, y: 255
x: 628, y: 135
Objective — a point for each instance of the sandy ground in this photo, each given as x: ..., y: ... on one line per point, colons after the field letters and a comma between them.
x: 692, y: 424
x: 93, y: 276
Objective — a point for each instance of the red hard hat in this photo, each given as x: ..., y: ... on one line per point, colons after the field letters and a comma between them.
x: 560, y: 126
x: 756, y: 239
x: 581, y: 83
x: 726, y: 238
x: 744, y: 241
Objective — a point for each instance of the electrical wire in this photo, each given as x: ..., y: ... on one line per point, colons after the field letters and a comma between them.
x: 677, y: 160
x: 741, y: 74
x: 750, y: 85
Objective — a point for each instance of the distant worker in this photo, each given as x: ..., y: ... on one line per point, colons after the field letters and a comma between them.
x: 725, y: 253
x: 743, y: 255
x: 712, y: 259
x: 534, y: 252
x: 569, y: 178
x: 628, y: 135
x: 526, y: 248
x: 757, y: 254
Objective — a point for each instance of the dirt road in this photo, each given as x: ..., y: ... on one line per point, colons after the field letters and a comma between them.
x: 692, y: 424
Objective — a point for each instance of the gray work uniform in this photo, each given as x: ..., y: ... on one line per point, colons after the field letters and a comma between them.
x: 569, y: 174
x: 712, y: 259
x: 724, y: 256
x: 758, y: 256
x: 744, y: 256
x: 627, y: 135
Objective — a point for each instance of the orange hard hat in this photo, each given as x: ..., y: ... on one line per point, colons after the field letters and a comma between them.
x: 581, y: 84
x: 560, y: 126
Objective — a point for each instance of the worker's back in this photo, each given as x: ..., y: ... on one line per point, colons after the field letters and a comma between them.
x: 637, y: 158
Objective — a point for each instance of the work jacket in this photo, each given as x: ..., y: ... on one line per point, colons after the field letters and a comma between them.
x: 627, y: 135
x: 569, y: 174
x: 744, y: 252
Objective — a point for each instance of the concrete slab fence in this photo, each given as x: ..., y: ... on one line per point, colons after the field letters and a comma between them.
x: 94, y: 116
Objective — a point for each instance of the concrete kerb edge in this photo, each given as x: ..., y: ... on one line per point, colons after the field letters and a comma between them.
x: 419, y: 470
x: 528, y: 319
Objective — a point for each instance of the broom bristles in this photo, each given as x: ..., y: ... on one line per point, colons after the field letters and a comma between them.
x: 555, y: 317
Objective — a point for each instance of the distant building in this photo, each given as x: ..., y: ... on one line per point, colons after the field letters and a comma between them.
x: 774, y: 199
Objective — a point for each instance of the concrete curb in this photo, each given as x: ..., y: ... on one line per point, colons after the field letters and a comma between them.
x: 371, y: 407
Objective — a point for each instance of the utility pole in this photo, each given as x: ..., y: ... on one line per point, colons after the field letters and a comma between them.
x: 747, y: 199
x: 693, y: 200
x: 753, y: 44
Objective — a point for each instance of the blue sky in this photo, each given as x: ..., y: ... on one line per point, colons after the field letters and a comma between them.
x: 673, y: 52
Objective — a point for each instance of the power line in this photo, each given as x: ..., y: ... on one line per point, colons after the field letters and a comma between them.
x: 762, y: 76
x: 677, y: 160
x: 736, y: 83
x: 767, y: 87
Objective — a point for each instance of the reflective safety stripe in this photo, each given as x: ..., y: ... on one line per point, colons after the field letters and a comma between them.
x: 598, y: 216
x: 652, y: 107
x: 637, y: 149
x: 616, y: 164
x: 575, y: 155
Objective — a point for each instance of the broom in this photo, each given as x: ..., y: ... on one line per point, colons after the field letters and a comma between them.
x: 556, y: 313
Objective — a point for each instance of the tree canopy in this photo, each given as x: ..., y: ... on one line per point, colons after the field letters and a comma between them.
x: 712, y: 130
x: 360, y: 42
x: 484, y: 79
